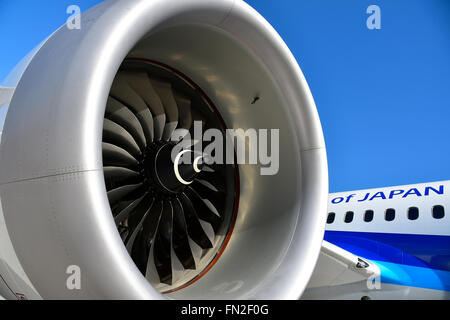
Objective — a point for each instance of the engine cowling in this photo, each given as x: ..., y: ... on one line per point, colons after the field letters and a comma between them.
x: 84, y: 179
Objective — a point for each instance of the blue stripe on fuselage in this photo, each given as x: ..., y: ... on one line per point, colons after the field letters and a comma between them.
x: 412, y: 276
x: 426, y: 251
x: 404, y: 259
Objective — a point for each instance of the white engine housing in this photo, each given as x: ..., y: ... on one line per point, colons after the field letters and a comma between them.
x: 51, y: 179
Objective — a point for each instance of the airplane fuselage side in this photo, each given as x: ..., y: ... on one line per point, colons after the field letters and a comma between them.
x: 405, y: 230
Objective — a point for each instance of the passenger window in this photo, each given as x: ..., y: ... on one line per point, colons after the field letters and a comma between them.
x: 368, y: 215
x: 331, y: 217
x: 390, y: 214
x: 438, y: 212
x: 348, y: 217
x: 413, y: 213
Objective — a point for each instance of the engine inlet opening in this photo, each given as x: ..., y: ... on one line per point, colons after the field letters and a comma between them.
x: 174, y: 218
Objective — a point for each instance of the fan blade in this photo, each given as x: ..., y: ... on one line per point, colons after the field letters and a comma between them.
x: 140, y: 82
x: 119, y: 176
x: 124, y: 213
x: 163, y: 245
x: 197, y: 251
x: 208, y: 169
x: 122, y: 92
x: 194, y: 228
x: 180, y: 237
x: 116, y: 156
x: 207, y: 184
x: 115, y: 134
x: 202, y: 210
x: 143, y: 242
x: 209, y: 230
x: 115, y: 195
x: 117, y: 112
x: 184, y: 111
x: 151, y: 226
x: 139, y: 215
x: 212, y: 179
x: 217, y: 199
x: 164, y: 91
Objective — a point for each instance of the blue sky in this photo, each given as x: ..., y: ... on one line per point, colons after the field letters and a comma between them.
x: 383, y: 95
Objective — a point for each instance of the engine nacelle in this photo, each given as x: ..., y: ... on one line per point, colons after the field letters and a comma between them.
x: 66, y: 182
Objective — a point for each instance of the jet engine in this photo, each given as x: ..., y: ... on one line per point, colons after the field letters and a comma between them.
x: 88, y: 177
